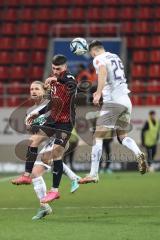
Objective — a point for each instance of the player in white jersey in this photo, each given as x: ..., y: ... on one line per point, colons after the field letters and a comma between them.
x: 37, y: 93
x: 116, y: 109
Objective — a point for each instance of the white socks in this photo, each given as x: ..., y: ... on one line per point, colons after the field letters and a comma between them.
x: 97, y: 152
x: 96, y: 156
x: 69, y: 172
x: 39, y: 187
x: 130, y: 143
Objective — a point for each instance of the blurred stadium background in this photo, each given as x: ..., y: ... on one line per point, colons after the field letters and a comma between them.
x: 33, y: 30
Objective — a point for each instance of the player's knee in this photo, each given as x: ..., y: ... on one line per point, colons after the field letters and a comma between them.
x: 103, y: 132
x: 47, y: 159
x: 119, y: 139
x: 57, y: 152
x: 36, y: 140
x: 121, y: 135
x: 34, y: 175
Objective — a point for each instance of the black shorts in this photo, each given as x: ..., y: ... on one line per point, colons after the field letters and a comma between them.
x: 60, y: 131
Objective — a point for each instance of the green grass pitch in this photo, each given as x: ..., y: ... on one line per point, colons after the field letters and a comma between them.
x: 122, y: 206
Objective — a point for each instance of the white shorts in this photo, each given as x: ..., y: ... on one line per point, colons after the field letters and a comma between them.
x: 39, y: 162
x: 115, y: 114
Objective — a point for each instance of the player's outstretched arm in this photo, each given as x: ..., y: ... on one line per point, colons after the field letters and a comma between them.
x: 31, y: 118
x: 102, y: 76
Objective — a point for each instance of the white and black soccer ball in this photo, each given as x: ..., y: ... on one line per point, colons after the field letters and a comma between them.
x: 79, y: 46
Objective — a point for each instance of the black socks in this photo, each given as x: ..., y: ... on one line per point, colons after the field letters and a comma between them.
x: 57, y: 172
x: 30, y: 158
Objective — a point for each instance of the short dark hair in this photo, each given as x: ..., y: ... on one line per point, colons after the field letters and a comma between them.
x: 95, y: 43
x: 59, y: 60
x: 152, y: 112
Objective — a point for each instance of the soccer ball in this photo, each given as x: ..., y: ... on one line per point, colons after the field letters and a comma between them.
x: 79, y: 46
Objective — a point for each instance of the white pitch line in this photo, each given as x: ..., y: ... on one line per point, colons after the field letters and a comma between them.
x: 72, y: 208
x: 4, y: 179
x: 115, y: 207
x: 20, y: 208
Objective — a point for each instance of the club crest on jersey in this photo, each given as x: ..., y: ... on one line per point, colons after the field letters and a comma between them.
x: 70, y: 76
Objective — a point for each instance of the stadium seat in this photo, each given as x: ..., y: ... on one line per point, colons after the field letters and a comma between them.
x: 154, y: 71
x: 80, y: 3
x: 144, y: 2
x: 78, y: 14
x: 62, y: 31
x: 13, y: 3
x: 153, y: 86
x: 9, y: 29
x: 158, y: 100
x: 143, y: 28
x: 5, y: 58
x: 2, y: 102
x: 94, y: 30
x: 130, y: 3
x: 138, y: 71
x: 110, y: 3
x: 129, y: 42
x: 109, y: 30
x: 137, y: 86
x: 61, y: 14
x: 18, y: 72
x: 4, y: 73
x: 40, y: 43
x: 41, y: 28
x: 155, y: 42
x: 151, y: 100
x: 21, y: 57
x: 156, y: 13
x: 27, y: 14
x: 127, y: 14
x: 140, y: 56
x: 23, y: 43
x: 66, y: 31
x: 7, y: 44
x: 62, y: 2
x: 36, y: 73
x: 46, y: 3
x: 155, y: 56
x: 77, y: 30
x: 127, y: 28
x: 1, y: 88
x: 10, y: 15
x: 38, y: 57
x: 25, y: 29
x: 141, y: 42
x: 44, y: 14
x: 96, y: 3
x: 2, y: 3
x: 144, y: 13
x: 109, y: 14
x: 13, y: 101
x: 156, y: 28
x: 137, y: 100
x: 94, y: 14
x: 30, y: 3
x: 16, y: 88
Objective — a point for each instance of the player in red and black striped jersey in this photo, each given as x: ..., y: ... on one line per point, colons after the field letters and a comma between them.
x: 59, y: 124
x: 62, y: 96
